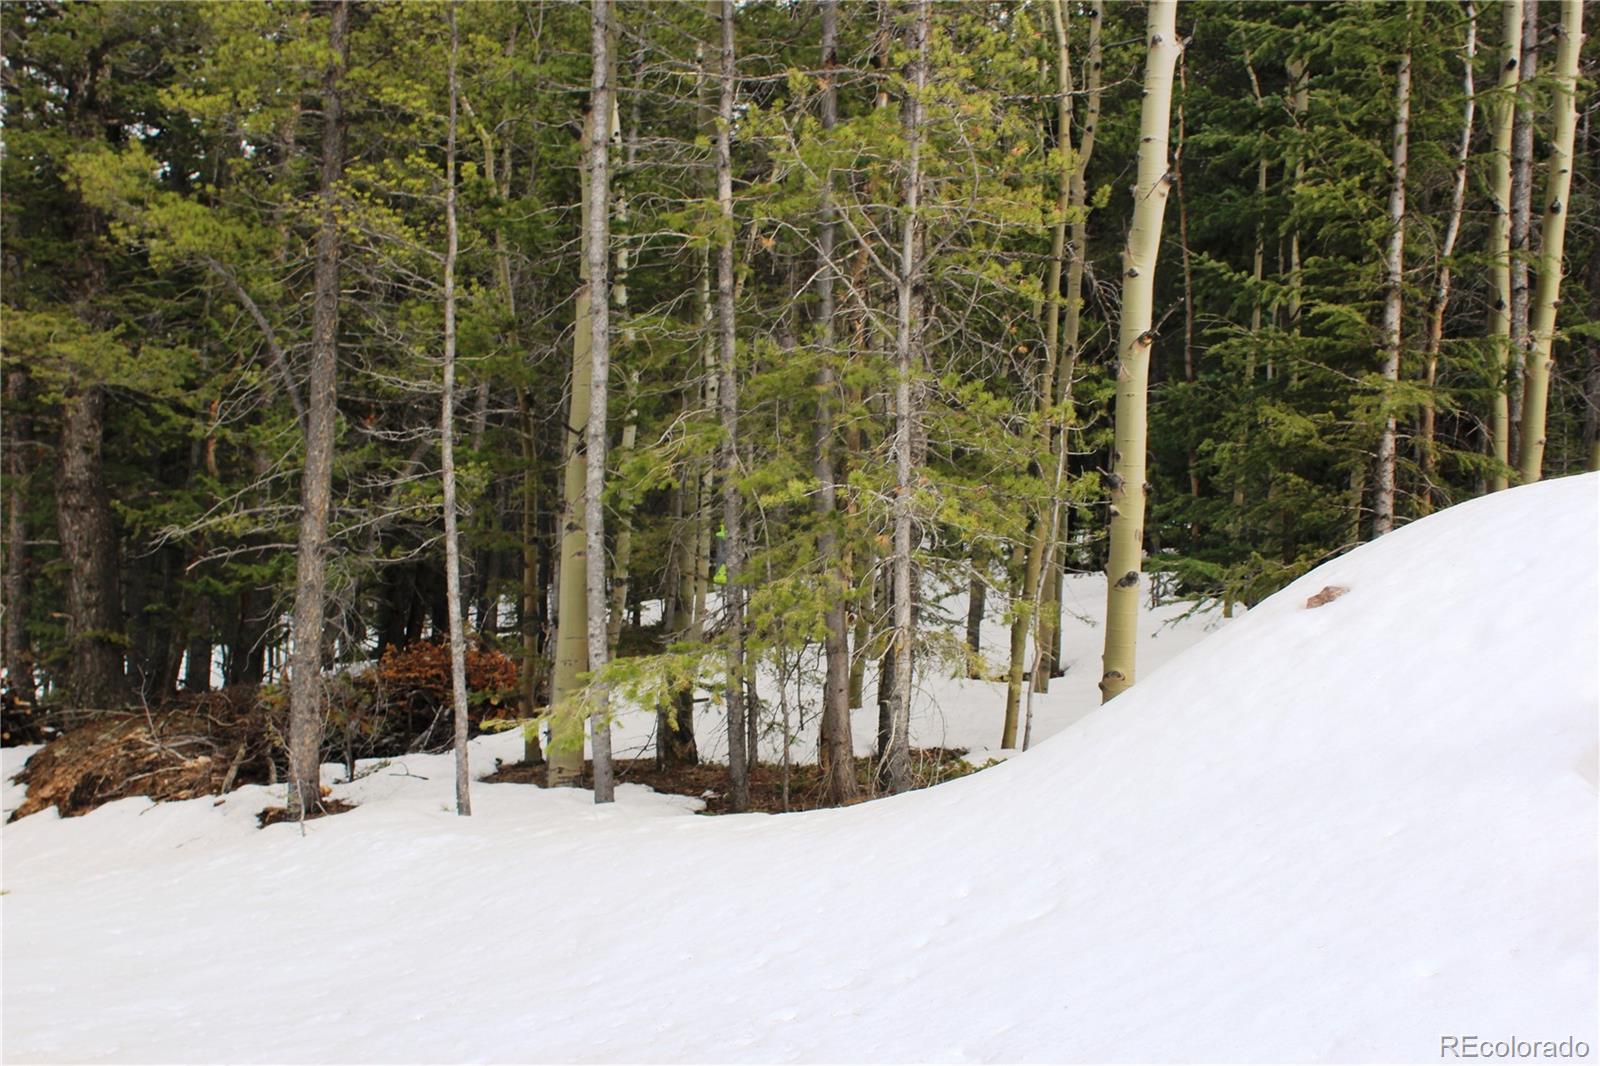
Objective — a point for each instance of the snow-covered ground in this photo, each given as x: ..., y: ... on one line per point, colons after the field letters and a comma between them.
x: 1333, y: 834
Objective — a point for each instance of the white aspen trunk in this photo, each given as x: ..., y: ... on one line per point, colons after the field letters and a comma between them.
x: 564, y: 759
x: 897, y: 752
x: 738, y: 752
x: 597, y: 252
x: 1441, y: 289
x: 1547, y: 297
x: 1134, y: 338
x: 1394, y: 280
x: 1522, y: 220
x: 1500, y: 240
x: 452, y: 536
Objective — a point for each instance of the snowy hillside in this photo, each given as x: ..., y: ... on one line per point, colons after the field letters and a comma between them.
x: 1337, y: 833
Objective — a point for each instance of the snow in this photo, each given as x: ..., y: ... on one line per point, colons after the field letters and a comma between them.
x: 1331, y: 834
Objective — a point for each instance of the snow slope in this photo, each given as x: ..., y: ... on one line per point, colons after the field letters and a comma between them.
x: 1322, y: 835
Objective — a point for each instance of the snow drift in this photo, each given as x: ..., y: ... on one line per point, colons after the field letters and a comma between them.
x: 1332, y: 833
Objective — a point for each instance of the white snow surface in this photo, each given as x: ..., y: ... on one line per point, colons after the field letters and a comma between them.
x: 1330, y: 834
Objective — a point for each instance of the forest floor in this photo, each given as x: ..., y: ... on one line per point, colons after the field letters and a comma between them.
x: 773, y: 789
x: 1337, y: 829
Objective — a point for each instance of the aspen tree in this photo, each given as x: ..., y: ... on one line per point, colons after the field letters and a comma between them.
x: 1134, y: 338
x: 564, y: 766
x: 1441, y: 288
x: 1394, y: 282
x: 447, y: 432
x: 1500, y: 238
x: 1522, y: 219
x: 316, y: 492
x: 1547, y: 296
x: 597, y: 254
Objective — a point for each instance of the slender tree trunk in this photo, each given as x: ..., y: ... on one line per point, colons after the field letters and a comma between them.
x: 316, y: 493
x: 532, y: 594
x: 1547, y: 297
x: 1522, y: 221
x: 447, y: 432
x: 564, y: 758
x: 738, y: 753
x: 1394, y: 284
x: 602, y: 127
x: 977, y: 593
x: 897, y: 755
x: 711, y: 375
x: 1190, y: 460
x: 675, y: 741
x: 16, y: 652
x: 620, y: 571
x: 1077, y: 258
x: 1134, y: 340
x: 1500, y: 239
x: 835, y: 750
x: 1026, y: 598
x: 1441, y: 288
x: 1300, y: 105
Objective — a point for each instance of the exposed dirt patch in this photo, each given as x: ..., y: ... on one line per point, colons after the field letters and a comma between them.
x: 274, y: 815
x: 709, y: 782
x: 1326, y: 596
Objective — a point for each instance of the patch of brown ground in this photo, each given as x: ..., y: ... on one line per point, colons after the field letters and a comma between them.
x: 274, y: 815
x: 930, y: 766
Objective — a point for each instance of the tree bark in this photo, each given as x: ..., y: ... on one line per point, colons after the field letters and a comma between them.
x: 1077, y: 259
x: 602, y: 126
x: 1441, y: 288
x: 897, y: 753
x: 89, y: 548
x: 15, y: 647
x: 447, y: 431
x: 564, y: 759
x: 738, y: 753
x: 977, y: 594
x: 1547, y: 297
x: 1522, y: 221
x: 1500, y: 240
x: 1394, y: 282
x: 835, y: 750
x: 316, y: 492
x: 1133, y: 352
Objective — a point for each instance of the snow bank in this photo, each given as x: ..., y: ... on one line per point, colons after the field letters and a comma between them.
x: 1339, y: 833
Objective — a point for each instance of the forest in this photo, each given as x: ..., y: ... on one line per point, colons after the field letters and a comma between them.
x: 377, y: 374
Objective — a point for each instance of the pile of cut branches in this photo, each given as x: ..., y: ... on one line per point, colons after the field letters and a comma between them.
x: 203, y: 744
